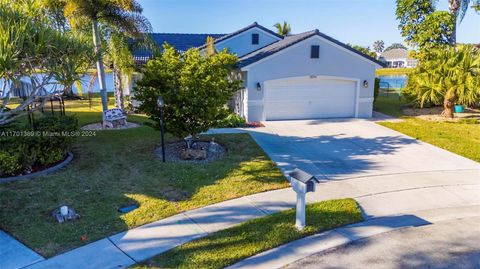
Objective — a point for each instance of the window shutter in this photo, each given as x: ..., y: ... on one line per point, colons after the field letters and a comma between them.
x: 255, y: 39
x: 315, y: 52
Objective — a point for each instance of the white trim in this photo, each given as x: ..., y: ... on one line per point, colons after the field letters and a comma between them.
x: 320, y: 77
x: 247, y: 67
x: 258, y: 28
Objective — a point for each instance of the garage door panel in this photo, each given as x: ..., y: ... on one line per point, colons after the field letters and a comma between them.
x: 310, y: 98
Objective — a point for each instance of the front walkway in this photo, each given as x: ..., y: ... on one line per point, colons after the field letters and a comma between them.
x: 379, y: 196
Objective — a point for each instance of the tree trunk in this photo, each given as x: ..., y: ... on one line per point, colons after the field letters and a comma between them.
x: 448, y: 104
x: 68, y: 92
x: 118, y: 89
x: 100, y: 68
x: 453, y: 6
x: 454, y: 34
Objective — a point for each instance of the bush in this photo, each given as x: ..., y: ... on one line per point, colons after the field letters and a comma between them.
x: 232, y: 121
x: 22, y: 148
x: 195, y: 88
x: 10, y: 164
x: 453, y: 71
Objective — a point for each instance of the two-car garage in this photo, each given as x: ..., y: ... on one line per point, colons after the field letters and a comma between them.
x: 309, y: 98
x: 308, y: 76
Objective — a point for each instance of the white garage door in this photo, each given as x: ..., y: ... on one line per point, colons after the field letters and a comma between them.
x: 309, y: 98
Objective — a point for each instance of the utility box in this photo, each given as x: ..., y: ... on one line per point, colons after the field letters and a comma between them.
x: 302, y: 183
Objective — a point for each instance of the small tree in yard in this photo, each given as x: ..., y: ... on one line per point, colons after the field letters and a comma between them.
x: 446, y: 77
x: 195, y: 88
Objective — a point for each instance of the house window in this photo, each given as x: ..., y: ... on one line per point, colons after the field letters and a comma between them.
x: 315, y: 52
x: 255, y: 39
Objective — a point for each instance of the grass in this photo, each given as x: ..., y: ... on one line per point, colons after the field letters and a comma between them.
x: 459, y: 138
x: 389, y: 105
x: 226, y: 247
x: 462, y: 138
x: 117, y: 168
x: 393, y: 71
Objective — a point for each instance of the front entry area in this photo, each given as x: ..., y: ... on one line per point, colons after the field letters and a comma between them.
x: 310, y: 98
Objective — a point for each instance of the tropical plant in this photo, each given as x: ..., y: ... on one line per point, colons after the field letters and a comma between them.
x: 283, y: 29
x: 446, y: 77
x: 195, y: 87
x: 210, y: 45
x: 396, y: 46
x: 124, y: 16
x: 74, y: 62
x: 458, y: 9
x: 27, y: 45
x: 378, y: 46
x: 121, y: 58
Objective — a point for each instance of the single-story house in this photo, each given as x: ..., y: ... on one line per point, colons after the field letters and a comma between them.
x: 301, y: 76
x: 397, y: 58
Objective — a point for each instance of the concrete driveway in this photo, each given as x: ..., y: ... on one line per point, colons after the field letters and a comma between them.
x: 347, y: 148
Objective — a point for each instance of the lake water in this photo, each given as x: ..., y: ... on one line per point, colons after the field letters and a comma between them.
x: 393, y: 81
x: 88, y: 84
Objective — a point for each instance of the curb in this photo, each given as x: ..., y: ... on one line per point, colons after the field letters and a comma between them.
x: 40, y: 173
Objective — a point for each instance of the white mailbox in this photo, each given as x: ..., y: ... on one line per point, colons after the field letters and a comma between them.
x: 302, y: 183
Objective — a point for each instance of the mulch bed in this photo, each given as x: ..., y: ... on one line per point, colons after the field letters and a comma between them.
x: 173, y: 152
x: 434, y: 114
x: 98, y: 126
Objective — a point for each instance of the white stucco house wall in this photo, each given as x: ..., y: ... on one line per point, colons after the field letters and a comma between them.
x: 302, y: 76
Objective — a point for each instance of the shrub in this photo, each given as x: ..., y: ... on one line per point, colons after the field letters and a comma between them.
x: 232, y: 121
x: 453, y: 72
x: 47, y: 144
x: 195, y: 88
x: 10, y: 164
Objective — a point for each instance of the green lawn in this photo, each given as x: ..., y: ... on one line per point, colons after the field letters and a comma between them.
x: 460, y: 138
x: 117, y: 168
x: 390, y: 105
x: 226, y: 247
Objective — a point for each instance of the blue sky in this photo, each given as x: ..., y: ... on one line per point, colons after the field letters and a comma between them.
x: 351, y: 21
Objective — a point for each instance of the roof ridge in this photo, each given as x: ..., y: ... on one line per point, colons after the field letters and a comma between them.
x: 294, y: 39
x: 184, y: 34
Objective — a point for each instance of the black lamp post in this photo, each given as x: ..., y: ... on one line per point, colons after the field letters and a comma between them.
x: 161, y: 104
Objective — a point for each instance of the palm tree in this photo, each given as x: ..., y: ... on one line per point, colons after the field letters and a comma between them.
x: 74, y: 62
x: 449, y: 76
x: 458, y: 8
x: 284, y: 29
x: 378, y: 46
x: 121, y: 58
x: 122, y: 15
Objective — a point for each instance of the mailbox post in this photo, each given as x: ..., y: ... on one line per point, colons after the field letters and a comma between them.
x: 302, y: 183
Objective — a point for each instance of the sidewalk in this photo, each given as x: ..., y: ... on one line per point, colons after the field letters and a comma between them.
x: 299, y: 253
x: 378, y: 196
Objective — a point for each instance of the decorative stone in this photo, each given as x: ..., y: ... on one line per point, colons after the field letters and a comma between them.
x: 194, y: 154
x: 214, y: 147
x: 60, y: 218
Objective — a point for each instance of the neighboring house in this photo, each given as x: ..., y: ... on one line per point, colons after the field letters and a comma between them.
x: 398, y: 58
x: 303, y: 76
